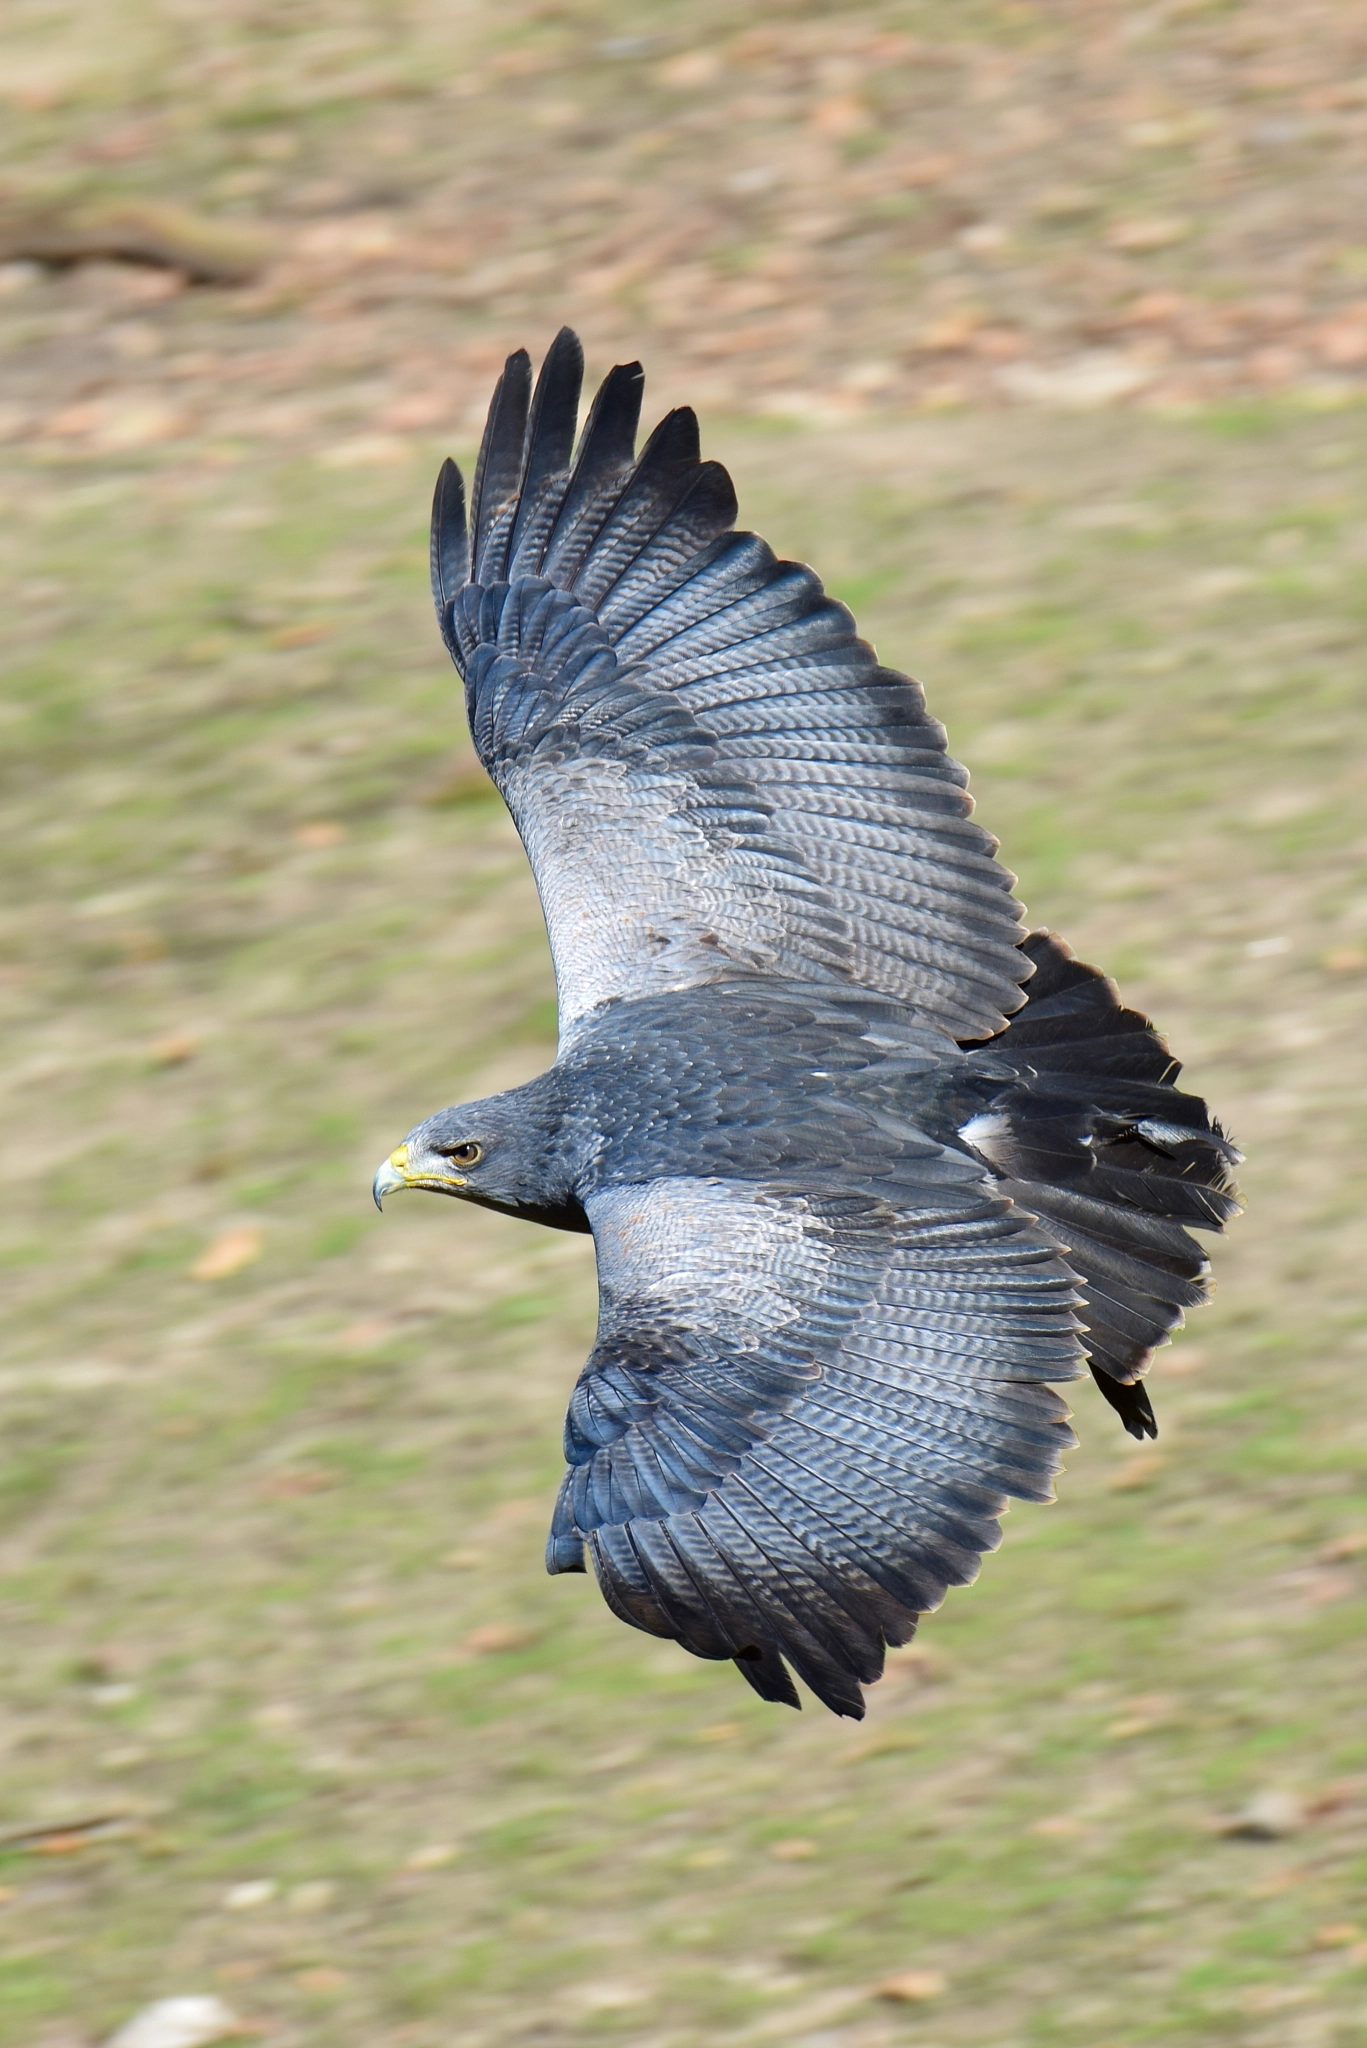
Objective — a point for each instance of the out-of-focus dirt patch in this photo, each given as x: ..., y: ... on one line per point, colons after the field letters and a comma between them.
x: 817, y: 213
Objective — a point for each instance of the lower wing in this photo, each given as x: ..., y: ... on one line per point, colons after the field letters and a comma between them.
x: 805, y: 1413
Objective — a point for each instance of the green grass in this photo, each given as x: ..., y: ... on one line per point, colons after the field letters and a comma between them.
x: 278, y: 1506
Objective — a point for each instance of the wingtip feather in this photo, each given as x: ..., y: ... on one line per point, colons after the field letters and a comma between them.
x: 499, y: 469
x: 450, y: 546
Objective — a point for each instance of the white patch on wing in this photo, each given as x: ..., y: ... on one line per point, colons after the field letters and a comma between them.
x: 637, y: 898
x: 714, y: 1255
x: 988, y: 1124
x: 990, y: 1134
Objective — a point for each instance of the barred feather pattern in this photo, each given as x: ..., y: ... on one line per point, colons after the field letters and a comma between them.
x: 819, y: 804
x: 805, y: 1412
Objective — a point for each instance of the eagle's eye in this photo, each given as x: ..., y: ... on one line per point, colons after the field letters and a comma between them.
x: 466, y: 1155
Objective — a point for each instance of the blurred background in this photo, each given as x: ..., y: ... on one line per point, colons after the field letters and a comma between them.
x: 1042, y: 330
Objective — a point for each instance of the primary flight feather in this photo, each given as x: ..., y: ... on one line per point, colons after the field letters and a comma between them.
x: 866, y: 1168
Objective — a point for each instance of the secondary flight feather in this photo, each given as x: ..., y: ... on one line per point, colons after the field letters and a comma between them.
x: 866, y: 1167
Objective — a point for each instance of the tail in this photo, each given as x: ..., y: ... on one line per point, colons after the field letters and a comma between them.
x: 1118, y: 1164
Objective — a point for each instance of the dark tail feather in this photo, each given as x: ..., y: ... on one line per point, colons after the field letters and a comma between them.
x: 764, y: 1669
x: 1112, y: 1157
x: 1131, y: 1403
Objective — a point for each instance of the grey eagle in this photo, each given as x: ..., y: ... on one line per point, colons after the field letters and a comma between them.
x: 866, y: 1167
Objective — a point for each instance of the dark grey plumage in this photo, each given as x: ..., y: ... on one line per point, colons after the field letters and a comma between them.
x: 857, y: 1199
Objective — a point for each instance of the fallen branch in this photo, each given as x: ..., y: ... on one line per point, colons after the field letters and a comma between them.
x: 61, y: 1837
x: 131, y: 231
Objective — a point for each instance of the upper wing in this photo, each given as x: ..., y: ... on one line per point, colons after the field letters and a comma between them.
x: 707, y: 766
x: 805, y: 1411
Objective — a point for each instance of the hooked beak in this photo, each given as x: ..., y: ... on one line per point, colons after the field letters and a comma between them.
x: 397, y: 1172
x: 390, y: 1176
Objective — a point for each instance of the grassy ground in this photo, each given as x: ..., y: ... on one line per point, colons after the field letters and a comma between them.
x: 291, y: 1713
x: 272, y: 1593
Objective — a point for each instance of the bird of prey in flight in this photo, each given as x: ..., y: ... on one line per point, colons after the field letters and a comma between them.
x: 867, y: 1167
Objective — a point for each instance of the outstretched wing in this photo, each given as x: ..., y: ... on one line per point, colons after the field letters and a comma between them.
x: 709, y: 769
x: 805, y: 1411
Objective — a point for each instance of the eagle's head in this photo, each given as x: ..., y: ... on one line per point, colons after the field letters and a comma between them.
x: 513, y: 1152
